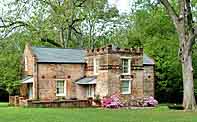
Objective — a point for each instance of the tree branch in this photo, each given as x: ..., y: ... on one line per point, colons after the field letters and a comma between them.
x: 51, y: 42
x: 76, y: 31
x: 171, y: 11
x: 17, y: 23
x: 80, y: 4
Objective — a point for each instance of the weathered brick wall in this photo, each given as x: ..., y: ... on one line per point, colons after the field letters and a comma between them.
x: 114, y: 70
x: 49, y: 73
x: 108, y: 80
x: 31, y: 69
x: 102, y: 78
x: 24, y: 90
x: 149, y: 80
x: 31, y: 60
x: 81, y: 92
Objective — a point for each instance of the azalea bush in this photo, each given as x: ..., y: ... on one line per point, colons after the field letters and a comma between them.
x: 111, y: 102
x: 150, y: 102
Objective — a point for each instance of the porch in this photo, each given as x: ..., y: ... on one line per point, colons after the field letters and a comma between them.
x: 86, y: 87
x: 26, y: 89
x: 21, y: 101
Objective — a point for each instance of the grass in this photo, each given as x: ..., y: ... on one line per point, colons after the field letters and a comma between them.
x: 159, y: 114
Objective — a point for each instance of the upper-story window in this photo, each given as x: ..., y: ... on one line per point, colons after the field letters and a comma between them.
x: 96, y: 66
x: 126, y: 66
x: 26, y: 64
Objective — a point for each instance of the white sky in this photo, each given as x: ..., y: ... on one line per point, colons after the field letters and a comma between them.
x: 122, y: 5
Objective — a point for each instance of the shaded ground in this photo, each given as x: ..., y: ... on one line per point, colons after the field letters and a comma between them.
x: 4, y: 95
x: 159, y: 114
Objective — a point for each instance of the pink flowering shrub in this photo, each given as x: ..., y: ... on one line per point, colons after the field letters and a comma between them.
x: 150, y: 101
x: 111, y: 102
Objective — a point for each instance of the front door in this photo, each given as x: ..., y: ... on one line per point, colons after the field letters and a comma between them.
x: 30, y: 91
x: 90, y: 91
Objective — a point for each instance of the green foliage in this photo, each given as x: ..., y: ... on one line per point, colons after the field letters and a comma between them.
x: 153, y: 30
x: 11, y: 50
x: 72, y: 23
x: 9, y: 66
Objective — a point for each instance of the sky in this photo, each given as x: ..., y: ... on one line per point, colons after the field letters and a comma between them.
x: 122, y: 5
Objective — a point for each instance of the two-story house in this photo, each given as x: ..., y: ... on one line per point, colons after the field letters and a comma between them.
x: 50, y: 73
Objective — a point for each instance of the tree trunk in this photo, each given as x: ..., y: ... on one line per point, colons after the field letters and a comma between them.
x: 69, y: 34
x: 189, y: 102
x: 183, y: 22
x: 62, y: 37
x: 185, y: 41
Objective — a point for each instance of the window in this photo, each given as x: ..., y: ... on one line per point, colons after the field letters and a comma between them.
x: 60, y: 88
x: 26, y: 64
x: 96, y: 66
x: 125, y: 86
x: 90, y: 91
x: 126, y: 62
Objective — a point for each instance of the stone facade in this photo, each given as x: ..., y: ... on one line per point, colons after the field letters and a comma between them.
x: 108, y: 77
x: 149, y: 80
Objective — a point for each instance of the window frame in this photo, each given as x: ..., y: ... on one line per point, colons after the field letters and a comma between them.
x: 129, y: 65
x: 90, y: 91
x: 60, y: 94
x: 26, y: 63
x: 96, y: 66
x: 129, y: 87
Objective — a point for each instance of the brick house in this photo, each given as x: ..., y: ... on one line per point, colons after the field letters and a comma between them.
x: 51, y: 73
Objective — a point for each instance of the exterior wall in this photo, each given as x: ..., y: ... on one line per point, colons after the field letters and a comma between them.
x: 31, y: 70
x: 49, y: 73
x: 80, y: 91
x: 149, y: 80
x: 31, y: 60
x: 24, y: 90
x: 109, y: 76
x: 114, y: 73
x: 137, y: 72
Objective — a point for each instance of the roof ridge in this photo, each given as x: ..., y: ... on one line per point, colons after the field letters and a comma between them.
x: 57, y: 48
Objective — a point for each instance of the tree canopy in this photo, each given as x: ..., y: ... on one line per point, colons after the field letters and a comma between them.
x: 88, y: 24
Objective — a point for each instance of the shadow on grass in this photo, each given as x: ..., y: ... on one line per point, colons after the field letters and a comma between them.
x: 2, y: 104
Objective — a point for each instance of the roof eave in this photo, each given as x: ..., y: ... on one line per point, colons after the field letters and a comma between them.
x: 61, y: 62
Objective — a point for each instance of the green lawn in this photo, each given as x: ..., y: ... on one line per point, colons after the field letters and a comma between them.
x: 159, y: 114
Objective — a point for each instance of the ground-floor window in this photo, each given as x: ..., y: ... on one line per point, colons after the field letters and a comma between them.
x: 90, y: 91
x: 60, y: 88
x: 126, y: 86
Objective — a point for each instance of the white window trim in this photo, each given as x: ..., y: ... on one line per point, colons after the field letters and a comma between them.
x: 95, y: 66
x: 90, y: 90
x: 26, y: 64
x: 129, y: 65
x: 129, y: 92
x: 62, y: 94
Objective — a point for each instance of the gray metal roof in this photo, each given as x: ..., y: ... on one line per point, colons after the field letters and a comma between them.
x: 68, y: 55
x: 147, y: 60
x: 59, y: 55
x: 27, y: 79
x: 87, y: 80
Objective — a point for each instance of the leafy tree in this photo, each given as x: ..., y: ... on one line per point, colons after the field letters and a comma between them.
x: 184, y: 24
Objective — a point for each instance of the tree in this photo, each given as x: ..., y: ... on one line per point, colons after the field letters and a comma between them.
x: 184, y: 24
